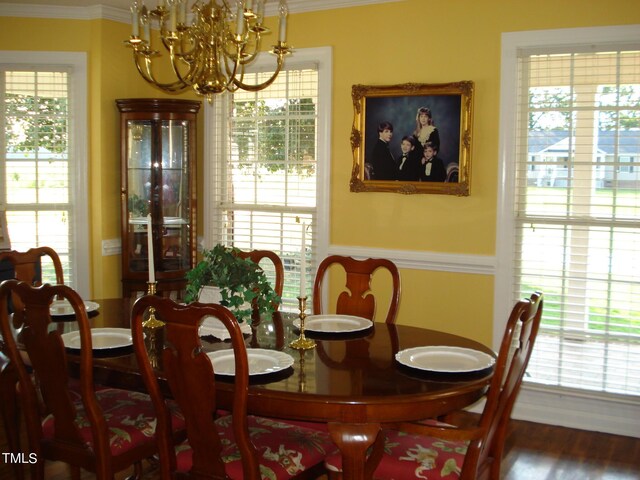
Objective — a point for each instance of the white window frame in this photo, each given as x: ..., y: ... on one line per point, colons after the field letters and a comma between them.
x: 215, y: 144
x: 78, y: 151
x: 584, y: 410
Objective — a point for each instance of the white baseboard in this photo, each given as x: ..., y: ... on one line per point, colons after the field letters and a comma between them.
x: 574, y: 410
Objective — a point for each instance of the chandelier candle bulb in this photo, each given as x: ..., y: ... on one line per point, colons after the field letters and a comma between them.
x: 144, y: 19
x: 240, y: 28
x: 134, y: 20
x: 152, y: 269
x: 260, y: 13
x: 182, y: 12
x: 173, y: 17
x: 284, y: 11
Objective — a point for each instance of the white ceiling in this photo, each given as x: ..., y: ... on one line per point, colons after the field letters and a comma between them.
x: 294, y: 5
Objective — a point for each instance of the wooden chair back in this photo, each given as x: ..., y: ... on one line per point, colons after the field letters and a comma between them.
x: 27, y: 266
x: 190, y: 377
x: 46, y: 356
x: 256, y: 256
x: 484, y: 454
x: 357, y: 297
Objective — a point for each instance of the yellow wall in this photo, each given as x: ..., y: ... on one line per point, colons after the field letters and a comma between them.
x: 420, y: 41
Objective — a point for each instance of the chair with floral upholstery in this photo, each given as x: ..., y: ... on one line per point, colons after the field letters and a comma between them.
x: 357, y: 298
x: 25, y: 266
x: 435, y: 450
x: 102, y: 430
x: 233, y: 446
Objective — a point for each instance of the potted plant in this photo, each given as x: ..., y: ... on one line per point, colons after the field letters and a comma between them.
x: 242, y: 283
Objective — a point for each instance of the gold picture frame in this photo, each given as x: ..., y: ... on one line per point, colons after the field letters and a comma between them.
x: 430, y: 123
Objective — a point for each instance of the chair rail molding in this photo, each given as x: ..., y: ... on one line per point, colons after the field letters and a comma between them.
x: 423, y: 260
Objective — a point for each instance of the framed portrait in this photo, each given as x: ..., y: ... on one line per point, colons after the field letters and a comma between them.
x: 412, y: 138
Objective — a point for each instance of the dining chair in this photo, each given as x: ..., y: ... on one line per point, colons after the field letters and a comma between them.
x: 102, y: 430
x: 256, y: 256
x: 357, y: 297
x: 436, y: 450
x: 27, y: 266
x: 236, y: 445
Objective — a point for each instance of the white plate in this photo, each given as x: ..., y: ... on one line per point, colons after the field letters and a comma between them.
x: 61, y: 308
x: 334, y: 323
x: 445, y: 359
x: 101, y: 338
x: 213, y: 326
x: 261, y: 361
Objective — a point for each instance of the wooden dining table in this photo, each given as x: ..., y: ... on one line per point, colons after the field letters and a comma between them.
x: 352, y: 382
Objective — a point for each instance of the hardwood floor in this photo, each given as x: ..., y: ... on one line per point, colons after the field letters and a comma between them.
x: 533, y: 451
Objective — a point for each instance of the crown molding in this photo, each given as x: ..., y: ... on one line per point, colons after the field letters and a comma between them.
x: 93, y: 12
x: 106, y: 12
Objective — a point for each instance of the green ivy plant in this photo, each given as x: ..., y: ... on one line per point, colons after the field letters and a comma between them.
x: 241, y: 282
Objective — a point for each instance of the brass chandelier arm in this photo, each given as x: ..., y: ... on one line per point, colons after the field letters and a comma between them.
x: 146, y: 73
x: 255, y: 88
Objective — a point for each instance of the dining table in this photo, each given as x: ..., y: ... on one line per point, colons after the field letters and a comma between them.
x: 354, y: 380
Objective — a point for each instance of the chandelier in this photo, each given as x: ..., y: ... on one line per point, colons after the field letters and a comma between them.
x: 210, y: 53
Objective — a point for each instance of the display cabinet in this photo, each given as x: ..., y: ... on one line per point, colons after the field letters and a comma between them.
x: 158, y: 189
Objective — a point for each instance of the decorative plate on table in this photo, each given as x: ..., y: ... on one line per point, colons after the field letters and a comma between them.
x: 334, y: 323
x: 101, y: 338
x: 62, y: 308
x: 213, y: 326
x: 261, y: 361
x: 444, y: 359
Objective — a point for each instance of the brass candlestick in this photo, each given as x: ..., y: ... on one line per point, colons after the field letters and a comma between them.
x: 151, y: 288
x: 153, y: 329
x: 302, y: 342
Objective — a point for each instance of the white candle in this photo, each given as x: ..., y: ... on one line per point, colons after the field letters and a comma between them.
x: 152, y: 272
x: 134, y: 19
x: 182, y: 12
x: 240, y: 15
x: 303, y: 263
x: 173, y: 17
x: 146, y: 30
x: 260, y: 12
x: 284, y: 11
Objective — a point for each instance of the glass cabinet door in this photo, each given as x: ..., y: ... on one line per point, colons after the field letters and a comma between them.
x: 139, y: 155
x: 175, y: 205
x: 158, y: 181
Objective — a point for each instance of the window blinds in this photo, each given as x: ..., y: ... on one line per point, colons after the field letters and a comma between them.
x: 266, y: 182
x: 577, y: 215
x: 36, y: 162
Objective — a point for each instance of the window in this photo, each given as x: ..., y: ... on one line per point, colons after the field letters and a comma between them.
x: 268, y: 167
x: 575, y: 216
x: 43, y: 172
